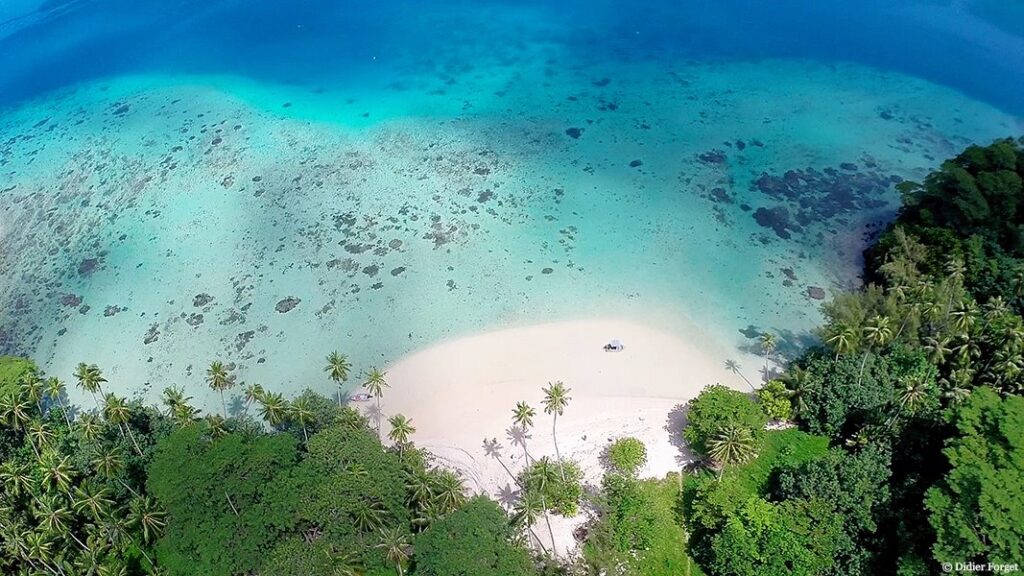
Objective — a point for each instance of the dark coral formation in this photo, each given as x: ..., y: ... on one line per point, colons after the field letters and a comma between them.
x: 829, y: 196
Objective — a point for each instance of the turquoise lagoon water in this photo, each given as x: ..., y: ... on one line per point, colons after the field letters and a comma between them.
x: 190, y: 181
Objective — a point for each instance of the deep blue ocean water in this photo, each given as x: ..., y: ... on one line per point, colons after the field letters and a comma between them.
x: 973, y: 46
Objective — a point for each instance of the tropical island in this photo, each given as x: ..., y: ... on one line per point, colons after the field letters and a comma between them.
x: 895, y: 445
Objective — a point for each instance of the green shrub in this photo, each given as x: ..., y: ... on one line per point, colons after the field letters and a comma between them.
x: 475, y: 540
x: 717, y: 407
x: 630, y: 513
x: 544, y: 478
x: 774, y: 400
x: 627, y: 455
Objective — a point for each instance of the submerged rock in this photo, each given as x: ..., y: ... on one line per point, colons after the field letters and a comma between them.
x: 88, y: 266
x: 816, y: 292
x: 71, y: 300
x: 287, y: 305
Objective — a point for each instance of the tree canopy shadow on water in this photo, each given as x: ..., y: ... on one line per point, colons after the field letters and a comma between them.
x: 237, y: 406
x: 789, y: 346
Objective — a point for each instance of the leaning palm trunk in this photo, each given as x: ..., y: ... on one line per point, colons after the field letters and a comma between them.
x: 526, y: 453
x: 132, y: 436
x: 862, y: 363
x: 547, y: 520
x: 503, y: 465
x: 537, y: 540
x: 554, y: 436
x: 64, y: 411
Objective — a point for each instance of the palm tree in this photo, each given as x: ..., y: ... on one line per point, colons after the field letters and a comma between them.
x: 375, y: 385
x: 174, y: 397
x: 957, y: 387
x: 426, y: 515
x: 302, y: 413
x: 798, y: 382
x: 218, y: 378
x: 96, y: 503
x: 419, y: 487
x: 40, y: 435
x: 522, y: 416
x: 55, y: 391
x: 32, y: 389
x: 843, y: 340
x: 109, y: 463
x: 556, y: 398
x: 16, y: 479
x: 337, y: 369
x: 15, y: 411
x: 39, y: 547
x: 273, y: 408
x: 368, y: 515
x: 90, y: 379
x: 768, y: 344
x: 731, y: 445
x: 877, y: 333
x: 185, y: 414
x: 117, y: 411
x: 216, y: 426
x: 253, y: 393
x: 525, y: 513
x: 914, y: 393
x: 144, y: 515
x: 401, y: 429
x: 54, y: 518
x: 90, y: 426
x: 395, y: 544
x: 938, y: 349
x: 56, y: 471
x: 343, y: 563
x: 539, y: 477
x: 449, y: 491
x: 965, y: 316
x: 995, y: 309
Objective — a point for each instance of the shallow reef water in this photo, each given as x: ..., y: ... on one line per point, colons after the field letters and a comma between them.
x: 519, y: 167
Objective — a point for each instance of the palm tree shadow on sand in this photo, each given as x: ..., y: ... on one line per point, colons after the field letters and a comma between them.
x: 734, y: 367
x: 507, y: 496
x: 373, y: 412
x: 517, y: 436
x: 674, y: 424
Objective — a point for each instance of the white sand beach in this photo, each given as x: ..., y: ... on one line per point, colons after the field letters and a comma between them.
x: 460, y: 392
